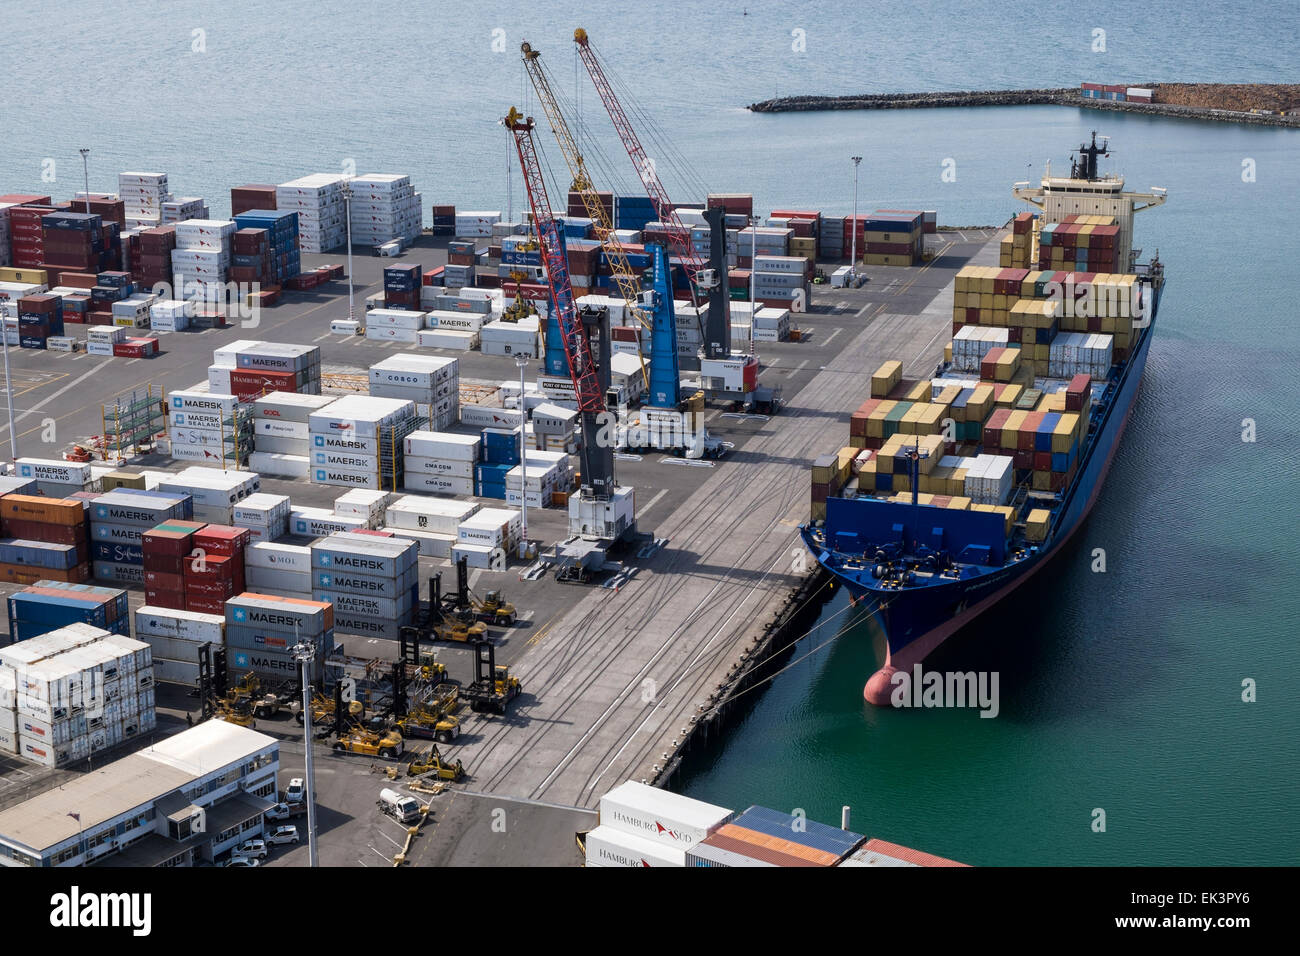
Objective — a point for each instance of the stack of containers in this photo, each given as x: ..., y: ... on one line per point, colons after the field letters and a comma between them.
x: 178, y: 209
x: 511, y: 338
x: 440, y: 462
x: 990, y: 479
x: 49, y: 605
x: 39, y: 318
x: 480, y: 536
x: 250, y: 369
x: 60, y: 526
x: 542, y: 480
x: 261, y: 629
x: 270, y: 238
x: 367, y: 506
x: 372, y: 582
x: 444, y: 220
x: 394, y: 325
x: 26, y: 238
x: 500, y: 453
x: 215, y: 491
x: 217, y: 574
x: 307, y: 522
x: 209, y: 426
x: 281, y: 435
x: 75, y: 691
x: 1017, y: 250
x: 476, y: 223
x: 175, y: 636
x: 402, y: 287
x: 110, y: 287
x: 755, y: 241
x: 318, y: 201
x: 384, y: 207
x: 165, y: 551
x: 1080, y: 353
x: 171, y: 315
x: 831, y: 241
x: 762, y: 837
x: 892, y: 239
x: 553, y: 427
x: 433, y: 383
x: 457, y: 331
x: 73, y: 241
x: 432, y: 522
x: 247, y: 198
x: 357, y: 441
x: 265, y: 516
x: 55, y: 477
x: 143, y: 195
x: 5, y: 251
x: 283, y: 569
x: 104, y: 341
x: 202, y: 255
x: 134, y: 311
x: 645, y: 826
x: 121, y: 517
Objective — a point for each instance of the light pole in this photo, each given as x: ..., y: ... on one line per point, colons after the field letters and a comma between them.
x: 304, y: 654
x: 853, y: 255
x: 9, y: 394
x: 753, y: 297
x: 85, y: 171
x: 347, y: 212
x: 522, y: 362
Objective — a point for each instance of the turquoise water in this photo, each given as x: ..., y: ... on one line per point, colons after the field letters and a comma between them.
x: 1118, y: 690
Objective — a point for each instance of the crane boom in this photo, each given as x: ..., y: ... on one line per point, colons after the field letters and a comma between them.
x: 678, y: 235
x: 577, y: 346
x: 629, y: 284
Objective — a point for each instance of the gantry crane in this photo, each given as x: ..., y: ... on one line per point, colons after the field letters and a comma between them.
x: 724, y: 375
x: 601, y: 513
x: 629, y: 284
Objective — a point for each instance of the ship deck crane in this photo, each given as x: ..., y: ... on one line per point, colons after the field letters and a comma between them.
x: 724, y: 374
x: 602, y: 513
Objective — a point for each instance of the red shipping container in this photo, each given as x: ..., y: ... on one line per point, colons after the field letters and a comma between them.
x: 205, y: 605
x: 993, y: 429
x: 1042, y: 461
x: 162, y: 581
x: 208, y: 590
x: 210, y: 567
x: 165, y: 563
x: 223, y: 539
x: 49, y: 533
x: 172, y: 599
x: 1025, y: 437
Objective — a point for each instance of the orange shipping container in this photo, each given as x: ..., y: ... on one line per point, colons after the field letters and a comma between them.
x: 61, y: 511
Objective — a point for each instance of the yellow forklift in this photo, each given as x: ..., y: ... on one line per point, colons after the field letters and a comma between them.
x: 495, y: 609
x: 521, y: 308
x: 433, y: 718
x: 494, y: 687
x: 434, y: 763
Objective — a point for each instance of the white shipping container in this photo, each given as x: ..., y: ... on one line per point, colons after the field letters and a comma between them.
x: 486, y: 416
x: 611, y: 847
x: 179, y: 625
x: 419, y: 513
x: 660, y: 816
x: 437, y: 484
x: 430, y: 444
x: 432, y: 543
x: 279, y: 465
x: 289, y: 557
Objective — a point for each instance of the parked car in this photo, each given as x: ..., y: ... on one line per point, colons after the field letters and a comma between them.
x: 297, y: 791
x: 285, y: 811
x: 281, y: 835
x: 254, y: 848
x: 243, y: 861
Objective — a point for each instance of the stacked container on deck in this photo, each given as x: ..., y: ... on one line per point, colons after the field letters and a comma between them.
x: 642, y: 826
x: 763, y: 837
x: 1080, y: 243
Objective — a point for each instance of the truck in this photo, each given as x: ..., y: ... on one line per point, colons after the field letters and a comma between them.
x: 402, y: 807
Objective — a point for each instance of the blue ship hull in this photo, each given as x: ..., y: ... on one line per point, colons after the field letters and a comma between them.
x: 917, y: 619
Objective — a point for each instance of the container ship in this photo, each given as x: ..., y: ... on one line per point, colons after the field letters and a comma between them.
x: 954, y: 491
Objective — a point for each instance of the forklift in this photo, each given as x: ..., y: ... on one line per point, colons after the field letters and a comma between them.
x: 452, y: 617
x: 493, y: 686
x: 433, y: 762
x: 351, y: 737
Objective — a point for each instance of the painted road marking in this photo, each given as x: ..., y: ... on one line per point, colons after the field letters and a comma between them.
x: 863, y: 309
x: 831, y: 338
x: 654, y: 500
x: 802, y: 365
x: 45, y: 401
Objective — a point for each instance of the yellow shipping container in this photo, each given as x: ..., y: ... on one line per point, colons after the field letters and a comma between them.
x: 1054, y: 402
x: 818, y: 511
x: 1041, y: 480
x: 1010, y: 395
x: 959, y: 504
x: 908, y: 426
x: 1065, y: 433
x: 1037, y: 523
x: 876, y: 420
x: 885, y: 378
x: 932, y: 417
x: 1011, y: 431
x: 948, y: 395
x: 29, y: 276
x: 919, y: 392
x: 947, y: 352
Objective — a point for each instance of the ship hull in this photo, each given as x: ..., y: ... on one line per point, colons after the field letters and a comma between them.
x: 918, y: 620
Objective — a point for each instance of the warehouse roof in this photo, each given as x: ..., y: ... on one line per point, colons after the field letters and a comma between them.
x: 135, y: 780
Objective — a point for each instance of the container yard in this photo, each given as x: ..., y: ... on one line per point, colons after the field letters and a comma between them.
x: 552, y: 469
